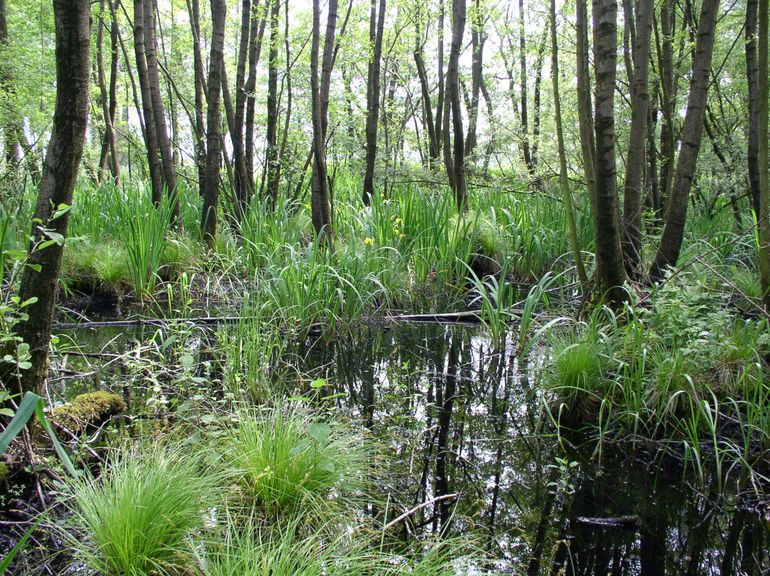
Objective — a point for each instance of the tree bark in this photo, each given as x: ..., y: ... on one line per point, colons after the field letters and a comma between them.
x: 108, y: 97
x: 273, y: 164
x: 376, y: 30
x: 673, y: 231
x: 524, y: 113
x: 668, y: 100
x: 635, y: 160
x: 199, y: 129
x: 762, y: 160
x: 563, y: 176
x: 213, y: 123
x: 11, y: 129
x: 319, y: 201
x: 478, y: 39
x: 255, y: 52
x: 609, y: 259
x: 148, y: 111
x: 65, y: 150
x: 752, y: 75
x: 427, y: 105
x: 584, y: 108
x: 159, y: 115
x: 459, y: 187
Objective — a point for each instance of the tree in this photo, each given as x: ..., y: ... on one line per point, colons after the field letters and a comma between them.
x: 673, y: 231
x: 40, y: 279
x: 458, y: 181
x: 273, y: 162
x: 762, y: 160
x: 563, y: 176
x: 213, y: 120
x: 320, y: 198
x: 376, y: 29
x: 609, y: 259
x: 635, y: 159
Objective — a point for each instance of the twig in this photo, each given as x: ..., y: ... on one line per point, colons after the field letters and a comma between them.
x: 416, y: 508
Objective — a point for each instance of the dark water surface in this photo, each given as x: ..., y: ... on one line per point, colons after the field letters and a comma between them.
x: 469, y: 446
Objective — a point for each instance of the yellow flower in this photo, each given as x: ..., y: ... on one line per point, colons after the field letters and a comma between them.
x: 369, y: 241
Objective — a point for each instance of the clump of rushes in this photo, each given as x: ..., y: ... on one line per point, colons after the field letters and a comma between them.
x: 288, y: 461
x: 280, y: 551
x: 135, y: 520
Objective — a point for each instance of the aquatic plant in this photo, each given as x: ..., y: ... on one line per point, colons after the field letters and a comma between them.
x: 136, y: 518
x: 286, y: 459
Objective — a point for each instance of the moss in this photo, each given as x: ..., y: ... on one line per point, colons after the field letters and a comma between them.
x: 88, y: 410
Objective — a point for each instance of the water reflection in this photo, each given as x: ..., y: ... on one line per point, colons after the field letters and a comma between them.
x: 460, y: 417
x: 470, y: 450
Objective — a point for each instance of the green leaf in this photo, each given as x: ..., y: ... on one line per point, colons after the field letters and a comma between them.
x: 19, y: 421
x: 320, y: 432
x: 318, y: 383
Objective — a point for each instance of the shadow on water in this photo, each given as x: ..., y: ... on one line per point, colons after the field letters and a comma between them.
x: 469, y: 450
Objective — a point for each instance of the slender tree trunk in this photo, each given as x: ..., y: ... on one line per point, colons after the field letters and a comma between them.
x: 273, y: 165
x: 427, y: 105
x: 609, y: 259
x: 242, y: 188
x: 752, y: 77
x: 108, y: 97
x: 563, y: 176
x: 213, y: 123
x: 453, y: 88
x: 148, y: 111
x: 193, y: 8
x: 668, y: 100
x: 536, y: 97
x: 478, y: 39
x: 673, y: 231
x: 65, y: 150
x: 255, y: 52
x: 635, y: 160
x: 11, y: 129
x: 440, y: 104
x: 376, y: 30
x: 584, y: 108
x: 159, y: 116
x: 762, y: 160
x: 320, y: 202
x: 524, y: 112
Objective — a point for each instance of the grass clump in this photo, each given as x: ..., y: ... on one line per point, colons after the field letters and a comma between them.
x: 136, y: 519
x: 287, y: 460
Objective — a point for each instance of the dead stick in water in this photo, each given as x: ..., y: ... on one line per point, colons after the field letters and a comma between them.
x: 416, y: 508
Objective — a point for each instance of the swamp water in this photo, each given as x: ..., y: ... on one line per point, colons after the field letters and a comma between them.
x: 466, y: 446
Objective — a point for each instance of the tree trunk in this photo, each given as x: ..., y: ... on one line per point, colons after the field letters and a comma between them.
x: 376, y: 29
x: 584, y: 108
x: 148, y: 111
x: 11, y: 129
x: 536, y: 96
x: 213, y: 123
x: 108, y: 97
x: 159, y: 116
x: 440, y: 104
x: 609, y: 259
x: 673, y: 232
x: 563, y: 176
x: 65, y: 150
x: 635, y: 160
x: 762, y: 160
x: 273, y: 165
x: 255, y: 51
x: 668, y: 100
x: 320, y: 202
x: 242, y: 186
x: 524, y: 113
x: 453, y: 89
x: 478, y: 38
x: 193, y: 8
x: 427, y: 105
x: 753, y: 85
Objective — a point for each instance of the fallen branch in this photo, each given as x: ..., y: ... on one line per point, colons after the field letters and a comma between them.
x: 416, y: 508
